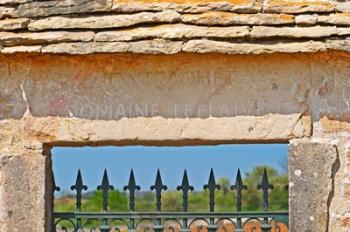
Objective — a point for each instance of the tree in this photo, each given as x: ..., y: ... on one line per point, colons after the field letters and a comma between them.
x: 278, y: 197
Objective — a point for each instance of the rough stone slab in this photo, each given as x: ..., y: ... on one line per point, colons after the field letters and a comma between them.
x: 330, y: 93
x: 343, y: 31
x: 298, y: 6
x: 293, y: 32
x: 53, y: 7
x: 157, y: 46
x: 85, y: 48
x: 174, y: 31
x: 23, y: 186
x: 306, y: 19
x: 225, y: 18
x: 342, y: 6
x: 184, y: 6
x: 273, y: 127
x: 13, y: 39
x: 337, y: 19
x: 107, y: 21
x: 339, y: 217
x: 6, y: 11
x: 312, y: 167
x: 21, y: 49
x: 334, y: 126
x: 13, y: 24
x: 185, y: 80
x: 205, y: 46
x: 338, y: 44
x: 9, y: 2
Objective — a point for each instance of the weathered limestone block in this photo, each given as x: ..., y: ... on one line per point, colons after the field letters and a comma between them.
x: 306, y: 19
x: 24, y: 180
x: 174, y: 31
x: 342, y: 6
x: 205, y: 46
x: 12, y: 104
x: 174, y: 131
x: 197, y: 6
x: 21, y: 49
x: 333, y: 126
x: 338, y: 44
x: 330, y: 93
x: 182, y: 85
x: 156, y: 46
x: 342, y: 31
x: 225, y: 18
x: 27, y: 38
x: 339, y: 220
x: 53, y: 7
x: 312, y: 167
x: 13, y: 24
x: 85, y: 48
x: 338, y: 19
x: 6, y: 11
x: 106, y: 21
x: 298, y: 6
x: 293, y: 32
x: 9, y: 2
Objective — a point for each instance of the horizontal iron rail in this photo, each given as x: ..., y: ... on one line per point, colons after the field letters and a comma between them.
x: 167, y: 215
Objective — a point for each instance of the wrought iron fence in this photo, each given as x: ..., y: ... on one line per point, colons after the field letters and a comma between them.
x: 185, y: 221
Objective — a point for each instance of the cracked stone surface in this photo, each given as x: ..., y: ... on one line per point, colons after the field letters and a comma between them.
x: 312, y: 167
x: 17, y: 171
x: 183, y: 86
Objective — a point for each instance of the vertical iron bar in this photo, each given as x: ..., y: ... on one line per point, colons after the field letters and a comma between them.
x: 158, y: 187
x: 54, y: 189
x: 211, y: 186
x: 239, y: 187
x: 265, y: 186
x: 185, y: 187
x: 132, y: 187
x: 79, y: 187
x: 105, y: 187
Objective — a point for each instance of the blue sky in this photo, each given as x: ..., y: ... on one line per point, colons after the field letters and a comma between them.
x: 224, y: 159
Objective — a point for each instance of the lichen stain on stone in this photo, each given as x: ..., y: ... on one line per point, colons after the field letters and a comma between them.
x: 43, y: 130
x: 134, y: 60
x: 300, y: 3
x: 333, y: 123
x: 346, y: 222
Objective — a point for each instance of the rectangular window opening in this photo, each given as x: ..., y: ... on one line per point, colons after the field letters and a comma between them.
x: 159, y: 196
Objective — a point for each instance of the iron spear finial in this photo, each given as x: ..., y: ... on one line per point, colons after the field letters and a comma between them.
x: 239, y: 187
x: 158, y: 187
x: 211, y: 186
x: 79, y: 187
x: 185, y: 187
x: 265, y: 186
x: 132, y: 187
x: 105, y: 187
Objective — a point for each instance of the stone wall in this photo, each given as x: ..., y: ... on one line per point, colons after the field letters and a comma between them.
x: 182, y: 99
x: 176, y: 72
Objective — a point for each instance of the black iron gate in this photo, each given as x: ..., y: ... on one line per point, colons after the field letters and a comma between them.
x: 185, y: 221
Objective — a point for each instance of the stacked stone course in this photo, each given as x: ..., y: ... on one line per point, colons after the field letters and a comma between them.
x: 155, y: 27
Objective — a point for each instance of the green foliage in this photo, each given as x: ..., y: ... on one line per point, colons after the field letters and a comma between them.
x: 198, y: 200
